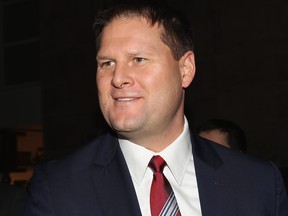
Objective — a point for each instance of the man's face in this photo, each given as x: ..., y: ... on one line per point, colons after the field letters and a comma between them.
x: 140, y: 85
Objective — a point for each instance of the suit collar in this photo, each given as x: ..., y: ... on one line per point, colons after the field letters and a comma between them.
x: 111, y: 180
x: 106, y: 150
x: 200, y: 148
x: 204, y: 151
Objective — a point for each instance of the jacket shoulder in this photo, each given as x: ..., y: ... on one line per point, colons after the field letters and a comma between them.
x: 99, y: 150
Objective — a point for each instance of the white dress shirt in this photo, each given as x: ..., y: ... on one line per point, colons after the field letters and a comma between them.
x: 180, y: 172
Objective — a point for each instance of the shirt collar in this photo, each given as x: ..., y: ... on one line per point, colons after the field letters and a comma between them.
x: 176, y: 155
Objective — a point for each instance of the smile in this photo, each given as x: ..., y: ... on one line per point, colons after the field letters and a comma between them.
x: 125, y: 99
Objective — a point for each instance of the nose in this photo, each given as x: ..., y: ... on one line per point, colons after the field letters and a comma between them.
x: 122, y: 77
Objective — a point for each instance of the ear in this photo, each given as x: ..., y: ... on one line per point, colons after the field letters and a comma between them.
x: 187, y: 68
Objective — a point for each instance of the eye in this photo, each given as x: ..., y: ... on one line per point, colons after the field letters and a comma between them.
x: 107, y: 64
x: 139, y: 60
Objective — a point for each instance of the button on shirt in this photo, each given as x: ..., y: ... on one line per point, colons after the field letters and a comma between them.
x: 179, y: 171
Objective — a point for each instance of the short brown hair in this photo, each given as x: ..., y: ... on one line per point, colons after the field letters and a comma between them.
x: 176, y: 35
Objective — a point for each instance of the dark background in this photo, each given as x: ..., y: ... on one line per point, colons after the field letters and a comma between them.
x: 48, y: 70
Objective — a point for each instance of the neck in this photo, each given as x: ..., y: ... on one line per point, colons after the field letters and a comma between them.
x: 157, y: 141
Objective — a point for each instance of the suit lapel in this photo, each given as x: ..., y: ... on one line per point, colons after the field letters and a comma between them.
x: 214, y: 185
x: 112, y: 182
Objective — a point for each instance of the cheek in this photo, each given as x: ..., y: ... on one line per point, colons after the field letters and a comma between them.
x: 165, y: 82
x: 103, y: 93
x: 103, y: 84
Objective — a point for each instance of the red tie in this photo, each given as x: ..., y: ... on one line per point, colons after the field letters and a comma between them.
x: 162, y: 198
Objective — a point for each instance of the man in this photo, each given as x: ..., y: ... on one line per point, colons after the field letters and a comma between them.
x: 224, y: 132
x: 145, y: 61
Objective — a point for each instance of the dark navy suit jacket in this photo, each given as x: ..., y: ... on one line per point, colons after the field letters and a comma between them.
x: 95, y: 181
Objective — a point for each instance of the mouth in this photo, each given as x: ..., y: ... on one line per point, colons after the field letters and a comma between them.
x: 126, y: 99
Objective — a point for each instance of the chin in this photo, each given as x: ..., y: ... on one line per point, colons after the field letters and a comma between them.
x: 125, y: 128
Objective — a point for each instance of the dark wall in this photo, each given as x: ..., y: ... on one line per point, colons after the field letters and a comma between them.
x: 70, y: 112
x: 241, y: 55
x: 242, y: 71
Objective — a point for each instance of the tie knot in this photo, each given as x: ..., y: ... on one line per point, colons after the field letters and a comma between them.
x: 157, y: 163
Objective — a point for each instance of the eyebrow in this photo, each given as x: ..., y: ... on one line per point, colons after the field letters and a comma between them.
x: 100, y: 57
x: 129, y: 54
x: 141, y: 52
